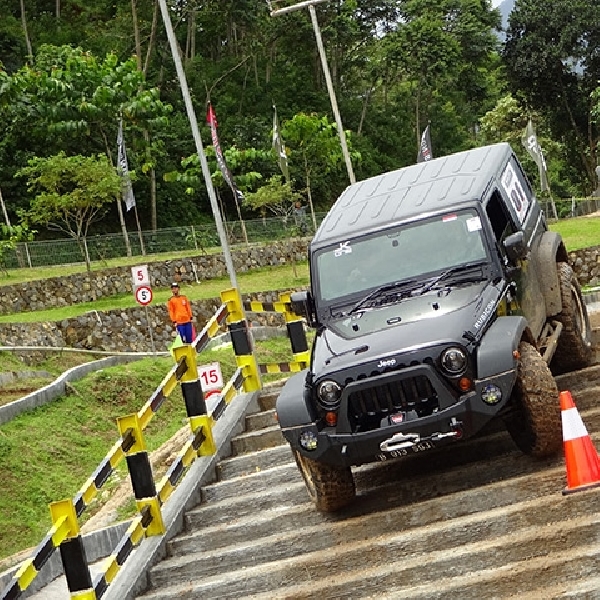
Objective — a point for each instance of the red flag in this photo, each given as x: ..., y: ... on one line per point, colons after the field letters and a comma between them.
x: 211, y: 119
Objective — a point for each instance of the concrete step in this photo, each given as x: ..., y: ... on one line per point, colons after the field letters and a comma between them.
x: 474, y: 542
x: 260, y: 420
x: 280, y: 519
x: 288, y: 494
x: 252, y: 462
x: 254, y: 483
x: 257, y: 440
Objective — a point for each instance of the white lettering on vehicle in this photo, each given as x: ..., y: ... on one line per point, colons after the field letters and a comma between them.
x: 487, y: 311
x: 386, y: 363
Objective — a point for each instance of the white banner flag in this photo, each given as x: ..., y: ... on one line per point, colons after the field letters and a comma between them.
x: 123, y: 169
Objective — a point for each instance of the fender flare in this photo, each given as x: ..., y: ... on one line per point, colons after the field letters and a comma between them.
x: 550, y: 249
x: 292, y: 406
x: 498, y: 345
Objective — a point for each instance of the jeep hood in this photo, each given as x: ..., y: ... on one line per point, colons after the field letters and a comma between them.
x: 436, y: 317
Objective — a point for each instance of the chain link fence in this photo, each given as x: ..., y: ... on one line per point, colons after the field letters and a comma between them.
x: 196, y: 238
x: 572, y: 207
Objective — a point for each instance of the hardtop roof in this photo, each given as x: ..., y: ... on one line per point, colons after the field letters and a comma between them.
x: 426, y: 187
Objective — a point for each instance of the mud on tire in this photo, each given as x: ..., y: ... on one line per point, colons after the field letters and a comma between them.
x: 329, y: 487
x: 574, y: 349
x: 535, y: 423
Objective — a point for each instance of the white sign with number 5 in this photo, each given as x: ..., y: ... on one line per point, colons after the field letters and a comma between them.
x: 140, y: 275
x: 210, y: 376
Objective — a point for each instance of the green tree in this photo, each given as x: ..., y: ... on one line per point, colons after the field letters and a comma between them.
x: 551, y: 57
x: 71, y: 193
x: 70, y: 99
x: 315, y: 150
x: 10, y: 236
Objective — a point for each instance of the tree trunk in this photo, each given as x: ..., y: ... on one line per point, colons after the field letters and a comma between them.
x: 152, y: 39
x: 24, y: 25
x: 309, y: 194
x: 58, y: 10
x: 136, y: 35
x: 123, y: 227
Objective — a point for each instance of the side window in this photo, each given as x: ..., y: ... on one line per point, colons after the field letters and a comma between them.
x: 517, y: 190
x: 499, y: 219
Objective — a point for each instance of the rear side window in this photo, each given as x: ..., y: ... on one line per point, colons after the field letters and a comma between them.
x: 516, y: 187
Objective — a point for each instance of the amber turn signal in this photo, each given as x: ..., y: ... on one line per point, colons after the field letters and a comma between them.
x: 331, y: 419
x: 464, y: 383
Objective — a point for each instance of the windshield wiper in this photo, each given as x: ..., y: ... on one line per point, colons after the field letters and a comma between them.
x: 447, y: 273
x: 409, y: 284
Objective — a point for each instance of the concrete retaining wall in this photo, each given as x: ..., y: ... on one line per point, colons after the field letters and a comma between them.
x: 87, y: 287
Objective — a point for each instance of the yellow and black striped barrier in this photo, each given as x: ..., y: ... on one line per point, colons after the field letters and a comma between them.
x: 65, y: 533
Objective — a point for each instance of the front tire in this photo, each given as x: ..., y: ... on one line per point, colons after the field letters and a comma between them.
x: 574, y: 348
x: 535, y: 423
x: 330, y: 488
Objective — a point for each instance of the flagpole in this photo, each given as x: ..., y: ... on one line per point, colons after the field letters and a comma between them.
x: 198, y: 140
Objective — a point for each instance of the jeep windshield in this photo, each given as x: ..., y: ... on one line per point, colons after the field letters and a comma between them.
x: 412, y: 256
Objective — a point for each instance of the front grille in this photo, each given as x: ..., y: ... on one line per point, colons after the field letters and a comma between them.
x: 368, y: 405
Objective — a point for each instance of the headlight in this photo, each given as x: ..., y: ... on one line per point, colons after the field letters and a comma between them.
x: 329, y: 393
x: 453, y: 361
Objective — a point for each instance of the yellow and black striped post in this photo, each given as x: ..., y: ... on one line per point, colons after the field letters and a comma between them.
x: 296, y: 331
x: 72, y: 551
x: 140, y: 471
x: 195, y: 404
x: 241, y: 340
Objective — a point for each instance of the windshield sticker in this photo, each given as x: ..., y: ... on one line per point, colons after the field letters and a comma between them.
x: 448, y: 218
x: 514, y: 190
x: 343, y: 249
x: 473, y: 224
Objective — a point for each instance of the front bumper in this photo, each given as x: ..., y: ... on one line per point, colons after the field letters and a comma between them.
x: 461, y: 420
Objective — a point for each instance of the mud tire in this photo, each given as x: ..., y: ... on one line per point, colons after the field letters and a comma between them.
x: 574, y: 349
x: 331, y: 488
x: 535, y: 423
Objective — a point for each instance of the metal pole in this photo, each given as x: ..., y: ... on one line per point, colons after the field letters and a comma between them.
x: 199, y: 148
x: 300, y: 5
x: 334, y: 106
x: 336, y: 113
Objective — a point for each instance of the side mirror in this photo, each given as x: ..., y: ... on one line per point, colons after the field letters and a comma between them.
x: 515, y: 247
x: 302, y: 304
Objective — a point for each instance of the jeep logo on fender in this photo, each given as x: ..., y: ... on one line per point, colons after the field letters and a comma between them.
x: 386, y: 363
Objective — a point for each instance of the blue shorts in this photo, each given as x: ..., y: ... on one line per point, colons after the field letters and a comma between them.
x: 185, y: 331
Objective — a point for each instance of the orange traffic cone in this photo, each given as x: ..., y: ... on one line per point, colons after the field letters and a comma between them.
x: 583, y: 464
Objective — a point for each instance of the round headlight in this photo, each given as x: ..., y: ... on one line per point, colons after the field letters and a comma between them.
x: 329, y: 393
x: 454, y: 361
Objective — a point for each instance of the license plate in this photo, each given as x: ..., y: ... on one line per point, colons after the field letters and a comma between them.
x: 399, y: 452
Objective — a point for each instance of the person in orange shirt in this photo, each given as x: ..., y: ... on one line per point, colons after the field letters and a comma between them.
x: 180, y: 312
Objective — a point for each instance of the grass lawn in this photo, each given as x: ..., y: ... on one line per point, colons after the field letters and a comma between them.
x: 48, y: 454
x: 578, y: 232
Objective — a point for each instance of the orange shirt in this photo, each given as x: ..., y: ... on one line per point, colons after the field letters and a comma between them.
x: 180, y: 310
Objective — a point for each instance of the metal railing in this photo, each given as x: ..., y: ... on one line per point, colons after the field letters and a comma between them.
x: 196, y: 238
x: 150, y: 497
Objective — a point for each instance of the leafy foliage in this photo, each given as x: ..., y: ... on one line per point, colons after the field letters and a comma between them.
x: 71, y: 193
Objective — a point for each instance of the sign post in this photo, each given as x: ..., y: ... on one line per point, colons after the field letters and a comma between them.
x: 142, y: 292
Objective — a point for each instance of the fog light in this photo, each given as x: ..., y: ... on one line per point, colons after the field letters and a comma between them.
x: 308, y: 440
x: 491, y: 394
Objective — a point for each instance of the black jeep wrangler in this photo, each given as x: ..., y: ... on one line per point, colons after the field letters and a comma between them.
x: 441, y: 301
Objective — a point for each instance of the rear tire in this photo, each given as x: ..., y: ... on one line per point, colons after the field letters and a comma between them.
x: 535, y: 424
x: 330, y: 488
x: 574, y: 348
